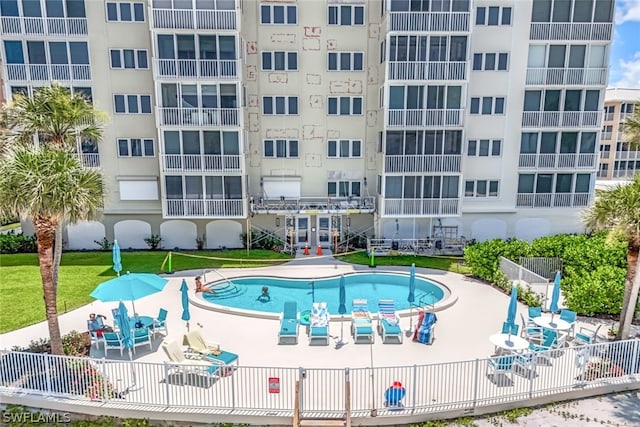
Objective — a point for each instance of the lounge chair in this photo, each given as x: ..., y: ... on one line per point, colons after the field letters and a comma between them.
x: 181, y: 363
x: 199, y: 345
x: 361, y: 324
x: 319, y: 323
x: 160, y: 323
x: 289, y: 322
x: 112, y: 341
x: 388, y: 320
x: 425, y: 332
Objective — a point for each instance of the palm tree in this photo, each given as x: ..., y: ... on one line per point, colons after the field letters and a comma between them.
x: 50, y: 186
x: 618, y: 210
x: 631, y: 129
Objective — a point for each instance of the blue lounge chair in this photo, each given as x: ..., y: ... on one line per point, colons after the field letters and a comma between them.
x: 424, y: 333
x: 388, y: 320
x: 361, y: 324
x: 319, y: 323
x: 289, y: 322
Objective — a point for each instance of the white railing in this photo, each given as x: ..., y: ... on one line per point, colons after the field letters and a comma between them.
x: 43, y: 26
x: 627, y: 155
x: 423, y: 246
x: 175, y: 116
x: 566, y: 76
x: 90, y: 160
x: 606, y: 136
x: 448, y: 117
x: 197, y: 19
x: 24, y: 72
x: 190, y: 208
x: 552, y: 200
x: 624, y: 173
x: 201, y: 162
x: 235, y: 393
x: 555, y: 160
x: 411, y: 70
x: 609, y: 117
x: 570, y: 31
x: 204, y: 68
x: 313, y: 205
x: 420, y: 207
x: 562, y: 119
x: 422, y: 163
x: 428, y: 21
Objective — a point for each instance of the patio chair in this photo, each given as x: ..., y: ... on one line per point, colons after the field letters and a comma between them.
x: 361, y: 324
x: 199, y: 345
x: 160, y: 323
x: 184, y: 365
x: 533, y: 313
x: 112, y: 341
x: 587, y: 335
x: 388, y: 320
x: 319, y: 323
x: 140, y: 337
x: 289, y: 323
x: 425, y: 331
x: 543, y: 349
x: 502, y: 364
x: 96, y: 337
x: 530, y: 332
x: 571, y: 317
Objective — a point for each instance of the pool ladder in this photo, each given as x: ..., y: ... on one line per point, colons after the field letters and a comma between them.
x: 226, y: 289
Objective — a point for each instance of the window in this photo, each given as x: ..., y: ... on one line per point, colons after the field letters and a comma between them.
x: 279, y: 105
x: 487, y: 105
x: 490, y: 61
x: 346, y: 15
x: 493, y: 15
x: 135, y: 147
x: 343, y: 188
x: 480, y: 188
x: 132, y: 104
x: 280, y: 61
x: 344, y: 148
x: 344, y: 105
x: 281, y: 148
x: 278, y: 14
x: 125, y: 12
x: 484, y: 147
x: 129, y: 58
x: 346, y: 61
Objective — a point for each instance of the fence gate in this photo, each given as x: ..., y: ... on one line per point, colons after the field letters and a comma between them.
x: 322, y: 393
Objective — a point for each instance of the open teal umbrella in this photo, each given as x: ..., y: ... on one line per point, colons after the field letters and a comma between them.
x: 117, y: 259
x: 129, y: 287
x: 512, y: 310
x: 186, y: 316
x: 412, y: 294
x: 342, y: 309
x: 555, y: 296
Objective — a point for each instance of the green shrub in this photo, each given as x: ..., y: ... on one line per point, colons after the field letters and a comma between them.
x: 599, y: 291
x: 483, y: 259
x: 262, y: 240
x: 12, y: 243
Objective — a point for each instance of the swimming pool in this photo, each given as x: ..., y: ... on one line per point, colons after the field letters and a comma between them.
x: 245, y: 292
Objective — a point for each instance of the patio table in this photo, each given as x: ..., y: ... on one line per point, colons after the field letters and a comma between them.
x: 146, y: 321
x: 557, y: 324
x: 513, y: 343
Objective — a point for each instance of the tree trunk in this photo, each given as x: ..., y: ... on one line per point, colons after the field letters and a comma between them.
x: 57, y: 256
x: 631, y: 288
x: 45, y: 228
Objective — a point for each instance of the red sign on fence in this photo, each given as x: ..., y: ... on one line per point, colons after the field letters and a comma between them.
x: 274, y: 385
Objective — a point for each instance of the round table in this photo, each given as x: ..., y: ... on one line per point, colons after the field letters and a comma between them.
x: 506, y: 342
x: 557, y: 325
x: 146, y: 321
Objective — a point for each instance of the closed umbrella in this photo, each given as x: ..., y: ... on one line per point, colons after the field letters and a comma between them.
x: 129, y: 287
x: 512, y: 310
x: 124, y: 324
x: 186, y: 316
x: 342, y: 309
x: 117, y: 259
x: 555, y: 296
x: 412, y: 294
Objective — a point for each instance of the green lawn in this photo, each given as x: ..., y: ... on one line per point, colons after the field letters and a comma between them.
x: 21, y: 301
x: 454, y: 264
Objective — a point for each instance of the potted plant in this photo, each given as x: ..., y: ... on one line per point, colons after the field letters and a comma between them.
x: 612, y: 332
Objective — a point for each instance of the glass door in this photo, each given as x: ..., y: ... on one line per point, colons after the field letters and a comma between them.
x: 302, y: 230
x: 324, y: 231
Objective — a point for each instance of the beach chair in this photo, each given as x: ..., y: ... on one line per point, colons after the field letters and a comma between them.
x: 361, y: 323
x: 184, y: 365
x: 424, y: 332
x: 289, y: 323
x: 199, y: 345
x: 388, y: 320
x: 319, y: 323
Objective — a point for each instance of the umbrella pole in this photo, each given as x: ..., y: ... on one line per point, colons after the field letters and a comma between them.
x: 134, y: 386
x: 342, y: 341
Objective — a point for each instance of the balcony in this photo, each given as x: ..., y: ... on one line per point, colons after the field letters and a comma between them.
x: 406, y: 70
x: 90, y: 160
x: 175, y: 116
x: 624, y: 173
x: 420, y: 207
x: 313, y: 205
x: 422, y: 163
x: 552, y: 200
x: 567, y: 76
x: 34, y: 72
x: 203, y: 208
x: 606, y: 136
x: 194, y: 19
x: 604, y: 154
x: 556, y: 161
x: 570, y: 31
x: 41, y: 26
x: 216, y: 69
x: 172, y: 163
x: 609, y: 117
x: 627, y: 155
x: 562, y: 119
x: 402, y: 118
x: 429, y: 21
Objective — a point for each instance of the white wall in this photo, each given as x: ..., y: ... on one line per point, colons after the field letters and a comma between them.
x: 178, y: 234
x: 131, y: 233
x: 82, y: 235
x: 223, y: 233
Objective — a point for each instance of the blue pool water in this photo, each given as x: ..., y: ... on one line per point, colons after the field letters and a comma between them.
x: 244, y: 292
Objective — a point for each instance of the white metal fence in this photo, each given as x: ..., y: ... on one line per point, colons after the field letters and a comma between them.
x: 430, y: 388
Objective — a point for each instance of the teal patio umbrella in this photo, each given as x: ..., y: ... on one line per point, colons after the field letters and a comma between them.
x: 555, y: 296
x: 129, y: 287
x: 412, y: 294
x: 186, y: 316
x: 117, y: 259
x: 342, y: 309
x: 512, y: 310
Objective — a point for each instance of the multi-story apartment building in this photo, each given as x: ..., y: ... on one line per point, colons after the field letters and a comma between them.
x: 312, y: 119
x: 618, y: 158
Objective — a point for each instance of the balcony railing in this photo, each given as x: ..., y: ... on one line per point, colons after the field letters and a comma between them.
x: 627, y: 155
x: 314, y: 205
x: 604, y: 154
x: 90, y: 160
x: 201, y: 163
x: 26, y: 72
x: 175, y: 116
x: 570, y: 31
x: 606, y: 136
x: 197, y: 19
x: 403, y: 118
x: 609, y: 117
x: 19, y: 25
x: 202, y: 68
x: 407, y: 70
x: 428, y: 21
x: 563, y: 160
x: 552, y: 200
x: 562, y: 119
x: 422, y: 163
x: 624, y: 173
x: 567, y: 76
x: 420, y: 207
x: 204, y: 208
